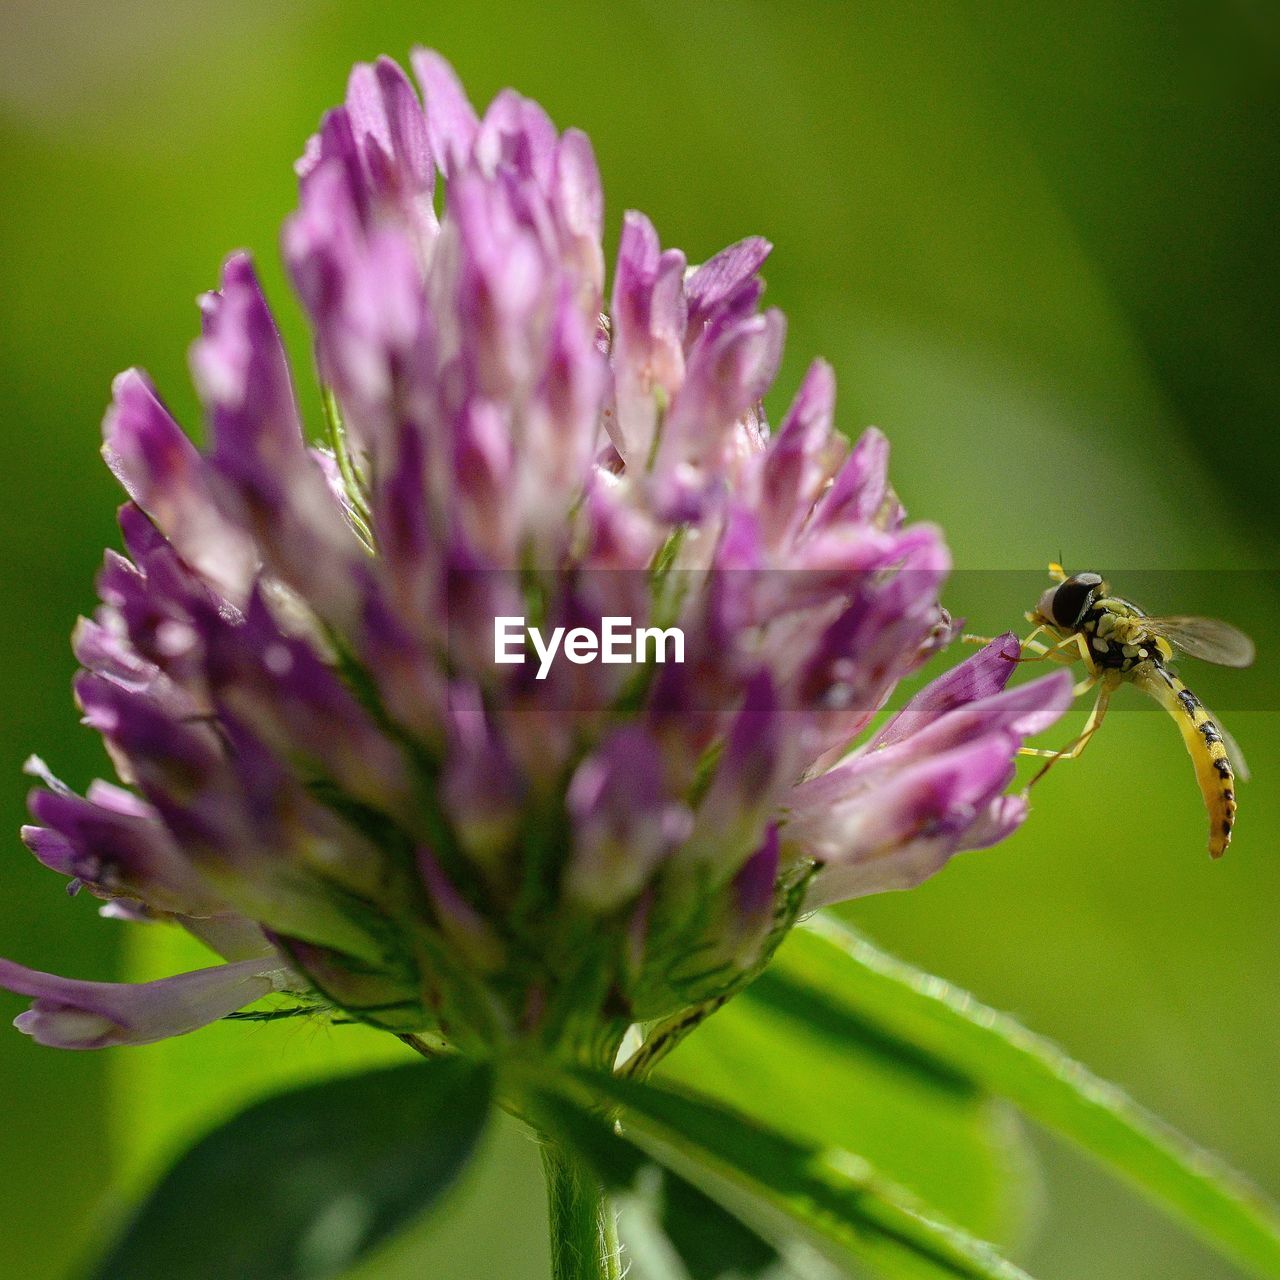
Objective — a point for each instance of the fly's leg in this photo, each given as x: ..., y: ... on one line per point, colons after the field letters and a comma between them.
x: 1030, y: 640
x: 1028, y: 644
x: 1038, y: 650
x: 1078, y: 690
x: 1059, y: 652
x: 1081, y: 687
x: 1077, y: 745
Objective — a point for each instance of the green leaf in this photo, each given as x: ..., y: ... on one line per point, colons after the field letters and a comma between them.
x: 300, y: 1186
x: 774, y: 1054
x: 163, y: 1099
x: 789, y: 1191
x: 869, y: 994
x: 670, y: 1229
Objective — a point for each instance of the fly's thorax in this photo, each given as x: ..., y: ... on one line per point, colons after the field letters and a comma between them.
x: 1119, y: 636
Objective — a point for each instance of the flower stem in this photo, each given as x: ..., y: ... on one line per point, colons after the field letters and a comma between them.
x: 584, y: 1228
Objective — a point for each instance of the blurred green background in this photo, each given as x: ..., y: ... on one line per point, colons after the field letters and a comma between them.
x: 1038, y: 243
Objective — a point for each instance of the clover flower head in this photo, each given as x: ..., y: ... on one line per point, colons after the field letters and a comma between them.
x: 328, y: 776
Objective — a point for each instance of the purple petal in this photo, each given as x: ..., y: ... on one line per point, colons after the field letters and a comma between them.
x: 624, y: 823
x: 51, y: 848
x: 280, y: 857
x: 617, y: 535
x: 481, y: 787
x: 497, y: 287
x: 153, y: 605
x: 730, y: 821
x: 164, y: 473
x: 938, y: 796
x: 978, y: 677
x: 295, y: 702
x: 719, y: 277
x: 649, y: 319
x: 118, y: 848
x: 1022, y: 711
x: 1001, y: 818
x: 243, y: 372
x: 159, y: 751
x: 728, y: 372
x: 873, y: 642
x: 247, y: 822
x: 68, y: 1014
x: 916, y: 861
x: 332, y: 154
x: 388, y: 126
x: 364, y: 292
x: 321, y: 237
x: 579, y: 208
x: 462, y: 925
x: 279, y: 492
x: 451, y: 119
x: 409, y: 681
x: 559, y: 431
x: 756, y: 881
x: 518, y: 136
x: 808, y: 422
x: 799, y: 459
x: 861, y: 487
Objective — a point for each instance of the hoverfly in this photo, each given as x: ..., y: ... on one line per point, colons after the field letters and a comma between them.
x: 1120, y: 644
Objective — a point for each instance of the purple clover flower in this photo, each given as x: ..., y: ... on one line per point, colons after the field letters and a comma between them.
x: 329, y: 779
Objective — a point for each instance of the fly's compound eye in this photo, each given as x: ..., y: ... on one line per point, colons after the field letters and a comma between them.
x: 1072, y: 599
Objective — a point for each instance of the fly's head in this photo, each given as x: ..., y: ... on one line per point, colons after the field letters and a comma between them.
x: 1065, y: 603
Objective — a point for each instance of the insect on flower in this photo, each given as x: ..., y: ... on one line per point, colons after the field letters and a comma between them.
x: 1120, y: 644
x: 326, y: 772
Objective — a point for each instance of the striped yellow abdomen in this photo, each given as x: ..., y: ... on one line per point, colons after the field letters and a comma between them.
x: 1204, y: 743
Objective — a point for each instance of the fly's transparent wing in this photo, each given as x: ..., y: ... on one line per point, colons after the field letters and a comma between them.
x: 1205, y: 638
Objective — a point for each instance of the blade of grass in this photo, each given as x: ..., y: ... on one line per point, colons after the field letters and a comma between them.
x: 865, y: 992
x: 829, y: 1197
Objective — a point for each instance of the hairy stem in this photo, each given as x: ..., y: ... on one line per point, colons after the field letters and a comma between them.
x: 584, y: 1228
